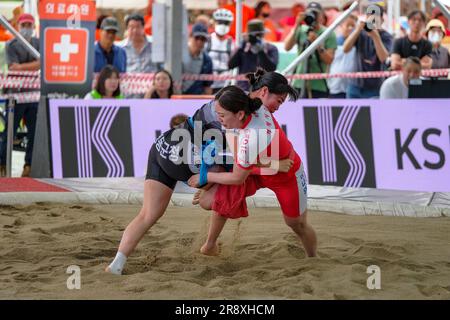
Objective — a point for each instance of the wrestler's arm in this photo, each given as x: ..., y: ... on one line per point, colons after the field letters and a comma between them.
x: 236, y: 177
x: 283, y: 165
x: 209, y: 185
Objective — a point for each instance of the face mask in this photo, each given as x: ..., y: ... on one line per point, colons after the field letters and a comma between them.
x: 265, y: 15
x: 434, y: 37
x: 27, y: 33
x: 222, y: 29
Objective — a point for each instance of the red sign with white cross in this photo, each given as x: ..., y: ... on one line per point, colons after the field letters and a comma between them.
x: 66, y: 55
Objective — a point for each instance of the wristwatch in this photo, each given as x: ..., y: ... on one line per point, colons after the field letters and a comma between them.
x: 321, y: 50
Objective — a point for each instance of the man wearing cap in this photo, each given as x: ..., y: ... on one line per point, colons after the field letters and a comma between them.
x: 373, y: 46
x: 254, y: 52
x: 19, y: 58
x: 308, y: 27
x: 106, y: 52
x: 440, y: 54
x: 197, y: 61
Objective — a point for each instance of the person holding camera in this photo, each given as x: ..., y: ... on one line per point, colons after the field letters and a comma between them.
x: 254, y: 52
x: 373, y: 45
x: 305, y: 34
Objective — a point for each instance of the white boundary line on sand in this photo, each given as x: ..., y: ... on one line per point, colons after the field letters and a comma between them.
x: 350, y: 207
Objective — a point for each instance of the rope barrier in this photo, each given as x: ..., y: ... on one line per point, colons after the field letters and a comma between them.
x: 138, y: 83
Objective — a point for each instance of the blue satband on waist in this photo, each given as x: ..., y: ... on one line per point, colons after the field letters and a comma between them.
x: 203, y: 175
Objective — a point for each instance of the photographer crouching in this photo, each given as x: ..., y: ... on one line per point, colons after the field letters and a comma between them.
x: 308, y: 27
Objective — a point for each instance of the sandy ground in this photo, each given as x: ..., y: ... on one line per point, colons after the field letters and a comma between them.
x: 260, y: 257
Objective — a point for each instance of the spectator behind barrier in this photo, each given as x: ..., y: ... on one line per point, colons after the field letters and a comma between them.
x: 440, y: 55
x: 19, y: 58
x: 177, y: 120
x: 437, y: 14
x: 372, y: 50
x: 220, y: 45
x: 321, y: 59
x: 262, y: 12
x: 343, y: 62
x: 107, y: 85
x: 197, y: 61
x: 138, y: 49
x: 397, y: 87
x: 106, y: 52
x: 162, y: 87
x: 413, y: 45
x: 254, y: 53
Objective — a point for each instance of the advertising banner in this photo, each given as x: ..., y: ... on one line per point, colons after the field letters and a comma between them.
x: 385, y: 144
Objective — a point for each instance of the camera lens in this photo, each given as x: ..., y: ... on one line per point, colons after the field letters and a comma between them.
x: 253, y: 39
x: 310, y: 17
x: 367, y: 28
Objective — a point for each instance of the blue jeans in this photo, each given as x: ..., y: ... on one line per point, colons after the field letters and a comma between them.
x: 29, y: 112
x: 355, y: 92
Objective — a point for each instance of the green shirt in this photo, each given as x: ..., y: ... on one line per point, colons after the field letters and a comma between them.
x: 330, y: 43
x: 94, y: 94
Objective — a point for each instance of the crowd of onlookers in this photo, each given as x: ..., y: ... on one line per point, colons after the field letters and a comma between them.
x: 211, y: 48
x: 355, y: 46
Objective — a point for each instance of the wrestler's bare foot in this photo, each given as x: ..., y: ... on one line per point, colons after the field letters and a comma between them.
x: 210, y: 249
x: 196, y: 198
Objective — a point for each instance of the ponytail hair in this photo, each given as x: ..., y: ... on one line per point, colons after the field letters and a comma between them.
x: 254, y: 78
x: 275, y: 82
x: 234, y: 99
x: 253, y: 104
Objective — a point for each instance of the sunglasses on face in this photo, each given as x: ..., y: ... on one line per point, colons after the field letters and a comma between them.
x: 199, y: 38
x: 227, y: 23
